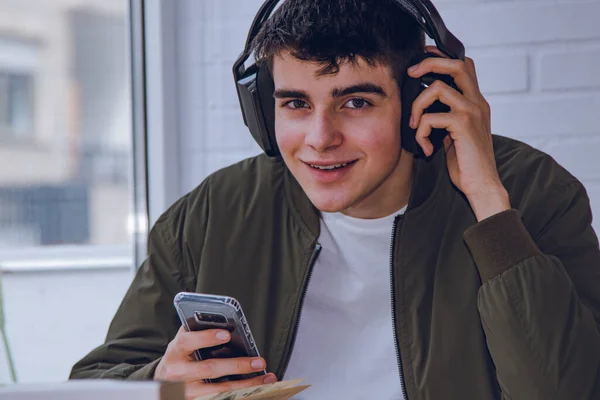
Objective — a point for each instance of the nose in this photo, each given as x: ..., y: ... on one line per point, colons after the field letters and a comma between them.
x: 322, y: 132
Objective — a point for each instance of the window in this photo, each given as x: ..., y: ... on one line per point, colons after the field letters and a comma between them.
x: 67, y: 213
x: 16, y: 104
x: 72, y: 184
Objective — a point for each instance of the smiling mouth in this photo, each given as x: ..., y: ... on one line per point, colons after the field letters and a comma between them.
x: 332, y: 167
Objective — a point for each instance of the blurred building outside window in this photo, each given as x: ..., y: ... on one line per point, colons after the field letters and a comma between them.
x: 16, y: 105
x: 66, y: 177
x: 65, y: 123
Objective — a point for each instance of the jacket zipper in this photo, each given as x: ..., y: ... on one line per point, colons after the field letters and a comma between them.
x: 313, y: 260
x: 393, y: 297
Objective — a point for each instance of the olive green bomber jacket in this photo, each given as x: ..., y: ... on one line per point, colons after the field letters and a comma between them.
x: 506, y: 308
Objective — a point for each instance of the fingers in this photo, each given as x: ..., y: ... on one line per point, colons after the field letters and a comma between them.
x: 185, y: 343
x: 463, y: 73
x: 218, y: 367
x: 196, y: 389
x: 188, y: 371
x: 468, y: 60
x: 428, y: 122
x: 176, y: 364
x: 438, y: 91
x: 471, y: 67
x: 214, y: 368
x: 469, y: 110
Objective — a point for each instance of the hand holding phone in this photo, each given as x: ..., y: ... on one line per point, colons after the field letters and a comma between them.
x: 178, y: 364
x: 204, y: 358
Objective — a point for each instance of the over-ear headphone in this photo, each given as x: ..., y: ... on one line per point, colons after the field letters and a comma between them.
x: 255, y: 85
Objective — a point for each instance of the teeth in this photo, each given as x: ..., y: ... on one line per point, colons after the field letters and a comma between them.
x: 329, y: 167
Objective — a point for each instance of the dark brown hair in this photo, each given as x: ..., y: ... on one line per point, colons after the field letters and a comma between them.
x: 331, y: 32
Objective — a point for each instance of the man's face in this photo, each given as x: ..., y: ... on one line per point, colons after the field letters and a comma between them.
x: 340, y: 135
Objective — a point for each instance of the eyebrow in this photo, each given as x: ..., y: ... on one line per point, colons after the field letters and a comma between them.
x: 335, y: 92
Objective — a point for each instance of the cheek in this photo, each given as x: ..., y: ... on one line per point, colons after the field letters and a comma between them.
x: 377, y: 138
x: 287, y: 135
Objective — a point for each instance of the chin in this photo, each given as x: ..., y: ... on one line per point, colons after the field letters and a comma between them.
x: 328, y: 205
x: 329, y: 209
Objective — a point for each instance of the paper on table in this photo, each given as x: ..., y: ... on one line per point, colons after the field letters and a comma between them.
x: 275, y: 391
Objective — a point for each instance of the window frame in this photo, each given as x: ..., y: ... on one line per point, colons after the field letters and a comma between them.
x: 162, y: 114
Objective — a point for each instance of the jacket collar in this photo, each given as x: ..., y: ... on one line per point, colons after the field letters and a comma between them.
x: 431, y: 183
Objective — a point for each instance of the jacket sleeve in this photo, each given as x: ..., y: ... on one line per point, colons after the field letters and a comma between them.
x: 540, y: 298
x: 146, y: 320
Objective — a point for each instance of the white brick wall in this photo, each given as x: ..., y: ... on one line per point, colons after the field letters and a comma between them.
x: 552, y: 64
x: 538, y: 65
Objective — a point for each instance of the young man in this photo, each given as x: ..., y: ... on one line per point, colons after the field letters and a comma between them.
x: 470, y: 274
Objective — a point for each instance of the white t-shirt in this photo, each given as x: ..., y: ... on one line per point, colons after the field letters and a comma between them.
x: 345, y: 342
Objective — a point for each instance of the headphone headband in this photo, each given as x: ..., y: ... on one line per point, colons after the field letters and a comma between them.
x: 422, y: 11
x: 430, y: 20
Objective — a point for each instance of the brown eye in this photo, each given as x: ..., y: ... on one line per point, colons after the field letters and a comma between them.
x: 357, y: 103
x: 293, y: 104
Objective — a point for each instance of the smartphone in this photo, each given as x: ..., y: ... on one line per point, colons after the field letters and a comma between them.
x: 199, y: 312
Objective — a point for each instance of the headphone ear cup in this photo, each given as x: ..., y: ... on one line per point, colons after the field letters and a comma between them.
x: 266, y: 87
x: 411, y: 89
x: 255, y: 92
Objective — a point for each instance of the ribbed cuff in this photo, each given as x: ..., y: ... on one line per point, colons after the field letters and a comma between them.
x: 146, y: 373
x: 499, y: 242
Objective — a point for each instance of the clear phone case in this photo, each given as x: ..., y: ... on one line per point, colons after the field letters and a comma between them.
x: 204, y: 311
